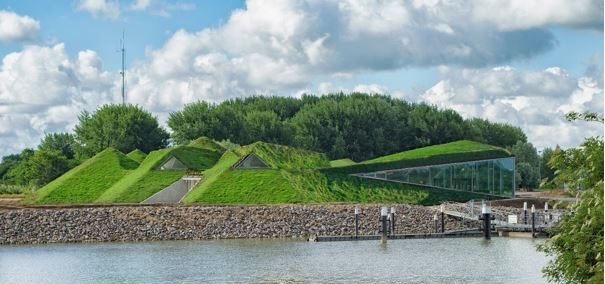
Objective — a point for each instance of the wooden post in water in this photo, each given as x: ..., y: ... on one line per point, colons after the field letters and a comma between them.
x: 533, y: 221
x: 383, y: 219
x: 525, y: 212
x: 546, y: 219
x: 356, y: 222
x: 442, y: 218
x: 392, y: 220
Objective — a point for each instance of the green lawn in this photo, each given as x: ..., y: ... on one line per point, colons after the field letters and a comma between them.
x: 295, y: 176
x: 211, y: 175
x: 293, y: 179
x: 148, y: 185
x: 342, y: 163
x: 222, y: 184
x: 196, y: 158
x: 250, y: 187
x: 206, y: 143
x: 457, y: 147
x: 86, y: 182
x: 146, y: 180
x: 137, y: 155
x: 459, y: 151
x: 284, y: 157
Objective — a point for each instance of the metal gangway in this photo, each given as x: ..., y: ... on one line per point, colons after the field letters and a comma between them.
x: 506, y: 218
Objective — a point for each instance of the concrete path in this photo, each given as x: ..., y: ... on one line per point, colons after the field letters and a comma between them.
x: 174, y: 192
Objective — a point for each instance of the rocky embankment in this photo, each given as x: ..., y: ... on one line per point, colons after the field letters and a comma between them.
x: 147, y: 223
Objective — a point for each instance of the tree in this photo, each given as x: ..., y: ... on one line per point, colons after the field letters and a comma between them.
x: 546, y: 171
x: 528, y: 164
x: 497, y: 134
x: 266, y: 126
x: 11, y: 161
x: 40, y: 168
x: 123, y: 127
x: 61, y: 142
x: 577, y: 242
x: 192, y: 122
x: 358, y: 126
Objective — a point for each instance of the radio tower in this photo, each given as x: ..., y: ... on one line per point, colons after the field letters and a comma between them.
x: 123, y: 51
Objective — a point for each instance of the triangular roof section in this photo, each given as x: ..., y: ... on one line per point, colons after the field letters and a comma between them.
x: 172, y: 163
x: 251, y: 161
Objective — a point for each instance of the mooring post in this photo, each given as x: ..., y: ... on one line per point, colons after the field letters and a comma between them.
x: 546, y: 219
x: 435, y: 219
x: 525, y: 212
x: 388, y: 222
x: 393, y: 220
x: 533, y: 221
x: 383, y: 219
x: 357, y: 211
x: 487, y: 218
x: 442, y: 218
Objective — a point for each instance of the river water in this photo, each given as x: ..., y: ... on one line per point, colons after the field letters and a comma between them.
x: 467, y: 260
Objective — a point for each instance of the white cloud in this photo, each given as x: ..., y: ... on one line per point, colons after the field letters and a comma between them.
x: 43, y: 90
x: 279, y: 47
x: 160, y: 8
x: 535, y: 101
x: 139, y: 5
x: 324, y: 88
x: 523, y: 14
x: 14, y: 27
x: 371, y: 89
x: 105, y: 8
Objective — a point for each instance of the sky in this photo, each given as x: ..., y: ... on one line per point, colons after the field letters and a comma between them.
x: 522, y: 62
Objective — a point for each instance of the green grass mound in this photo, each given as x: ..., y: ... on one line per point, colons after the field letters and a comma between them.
x: 206, y: 143
x: 193, y: 157
x: 86, y: 182
x: 251, y: 187
x: 284, y: 157
x: 294, y: 177
x: 223, y: 185
x: 459, y: 151
x: 137, y: 155
x: 342, y: 163
x: 147, y: 179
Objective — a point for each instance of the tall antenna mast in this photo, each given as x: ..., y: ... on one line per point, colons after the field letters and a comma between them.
x: 123, y: 73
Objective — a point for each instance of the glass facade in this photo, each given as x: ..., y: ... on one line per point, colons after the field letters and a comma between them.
x: 493, y: 177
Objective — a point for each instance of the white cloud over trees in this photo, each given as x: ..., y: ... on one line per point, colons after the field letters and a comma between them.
x: 281, y: 47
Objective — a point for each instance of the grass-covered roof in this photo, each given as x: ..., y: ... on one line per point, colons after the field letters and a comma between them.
x: 86, y: 182
x: 294, y: 177
x: 206, y: 143
x: 458, y: 151
x: 284, y: 157
x: 137, y: 155
x: 147, y: 179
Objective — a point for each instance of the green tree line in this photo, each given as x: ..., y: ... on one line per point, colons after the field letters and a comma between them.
x: 356, y: 126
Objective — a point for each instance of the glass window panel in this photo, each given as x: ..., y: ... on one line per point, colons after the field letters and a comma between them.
x: 419, y: 176
x: 488, y: 177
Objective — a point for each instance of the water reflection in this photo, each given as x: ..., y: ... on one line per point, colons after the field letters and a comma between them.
x: 501, y: 260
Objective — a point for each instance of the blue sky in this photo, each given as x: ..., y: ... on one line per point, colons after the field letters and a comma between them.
x: 480, y: 58
x: 61, y: 22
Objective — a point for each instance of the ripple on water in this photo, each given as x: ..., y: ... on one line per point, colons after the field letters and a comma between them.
x: 501, y: 260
